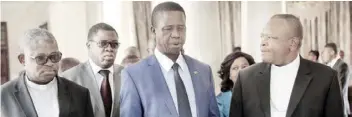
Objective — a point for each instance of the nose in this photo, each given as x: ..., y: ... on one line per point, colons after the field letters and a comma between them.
x: 175, y: 33
x: 264, y: 42
x: 109, y: 48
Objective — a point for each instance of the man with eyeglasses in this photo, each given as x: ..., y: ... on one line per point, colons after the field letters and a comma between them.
x: 38, y: 91
x: 99, y: 74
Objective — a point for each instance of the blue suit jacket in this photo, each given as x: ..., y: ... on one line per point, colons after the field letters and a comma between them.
x: 144, y: 92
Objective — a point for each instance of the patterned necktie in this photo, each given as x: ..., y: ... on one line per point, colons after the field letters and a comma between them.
x: 105, y: 92
x: 184, y: 109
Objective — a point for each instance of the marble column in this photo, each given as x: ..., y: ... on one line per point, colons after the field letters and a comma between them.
x: 68, y: 23
x: 254, y: 22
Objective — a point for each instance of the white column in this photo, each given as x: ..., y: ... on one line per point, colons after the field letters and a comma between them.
x: 259, y: 14
x: 119, y: 14
x: 68, y: 23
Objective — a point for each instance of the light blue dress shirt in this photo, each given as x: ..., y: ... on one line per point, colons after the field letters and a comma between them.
x: 224, y: 102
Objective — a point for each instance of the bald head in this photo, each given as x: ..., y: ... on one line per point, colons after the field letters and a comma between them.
x: 289, y: 25
x: 281, y: 39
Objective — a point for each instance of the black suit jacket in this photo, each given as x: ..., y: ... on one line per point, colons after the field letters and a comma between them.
x: 315, y: 93
x: 342, y: 72
x: 74, y: 100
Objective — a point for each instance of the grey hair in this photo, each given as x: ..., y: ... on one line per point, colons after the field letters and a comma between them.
x: 33, y: 36
x: 294, y: 22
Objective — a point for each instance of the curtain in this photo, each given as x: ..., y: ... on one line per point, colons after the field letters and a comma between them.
x: 142, y: 17
x: 230, y: 25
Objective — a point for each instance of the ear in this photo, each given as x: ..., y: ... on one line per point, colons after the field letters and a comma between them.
x: 88, y: 44
x: 152, y: 29
x: 295, y: 42
x: 21, y: 59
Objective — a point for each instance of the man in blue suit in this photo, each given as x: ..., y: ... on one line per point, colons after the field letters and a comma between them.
x: 168, y: 83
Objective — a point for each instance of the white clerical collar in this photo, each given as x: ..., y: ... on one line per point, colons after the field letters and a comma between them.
x: 33, y: 85
x: 96, y: 68
x: 294, y: 64
x: 333, y: 61
x: 167, y: 63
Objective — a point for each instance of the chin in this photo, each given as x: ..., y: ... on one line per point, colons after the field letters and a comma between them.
x: 107, y: 64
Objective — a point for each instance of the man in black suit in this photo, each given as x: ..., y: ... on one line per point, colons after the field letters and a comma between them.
x: 285, y: 84
x: 38, y: 91
x: 332, y: 59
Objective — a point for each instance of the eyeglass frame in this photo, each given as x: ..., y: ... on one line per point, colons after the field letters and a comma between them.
x: 109, y: 43
x: 46, y: 58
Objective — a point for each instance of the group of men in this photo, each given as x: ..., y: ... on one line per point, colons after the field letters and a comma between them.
x: 169, y: 83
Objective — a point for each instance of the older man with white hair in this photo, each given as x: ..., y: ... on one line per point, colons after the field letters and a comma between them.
x: 38, y: 91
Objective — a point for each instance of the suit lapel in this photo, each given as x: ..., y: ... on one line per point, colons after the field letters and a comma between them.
x: 117, y: 85
x: 91, y: 84
x: 63, y: 98
x: 195, y: 81
x: 301, y: 83
x: 263, y: 89
x: 24, y: 98
x: 155, y: 72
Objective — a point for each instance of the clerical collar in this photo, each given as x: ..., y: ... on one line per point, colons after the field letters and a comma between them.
x: 33, y: 85
x: 294, y: 64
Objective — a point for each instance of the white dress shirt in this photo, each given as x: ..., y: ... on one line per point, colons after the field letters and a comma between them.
x: 166, y: 67
x: 44, y: 98
x: 282, y: 80
x: 99, y: 78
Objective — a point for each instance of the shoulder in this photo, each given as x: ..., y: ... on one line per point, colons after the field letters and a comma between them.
x: 318, y: 68
x: 255, y: 68
x: 138, y: 67
x: 9, y: 86
x: 72, y: 86
x: 73, y: 70
x: 197, y: 63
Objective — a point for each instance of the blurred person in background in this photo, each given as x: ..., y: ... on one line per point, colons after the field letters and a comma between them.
x: 132, y: 56
x: 67, y: 63
x: 331, y: 58
x: 313, y: 55
x: 228, y: 72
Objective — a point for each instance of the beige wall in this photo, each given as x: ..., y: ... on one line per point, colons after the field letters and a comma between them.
x: 21, y: 16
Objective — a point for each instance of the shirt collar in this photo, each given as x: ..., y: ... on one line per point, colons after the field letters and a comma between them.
x: 333, y: 61
x: 293, y: 65
x: 33, y: 85
x: 96, y: 68
x: 167, y: 63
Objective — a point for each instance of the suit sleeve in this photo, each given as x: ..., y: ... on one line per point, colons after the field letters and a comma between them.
x: 343, y: 74
x: 236, y: 108
x: 334, y: 103
x: 89, y: 109
x: 130, y: 102
x: 213, y: 106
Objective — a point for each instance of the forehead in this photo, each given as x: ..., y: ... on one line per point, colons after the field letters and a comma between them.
x: 240, y: 60
x: 164, y: 18
x: 41, y: 47
x: 277, y: 27
x: 105, y: 35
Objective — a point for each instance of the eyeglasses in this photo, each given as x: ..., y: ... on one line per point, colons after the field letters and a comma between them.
x: 105, y: 44
x: 42, y: 59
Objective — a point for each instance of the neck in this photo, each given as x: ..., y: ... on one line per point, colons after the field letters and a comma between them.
x: 40, y: 82
x: 290, y: 58
x: 173, y: 57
